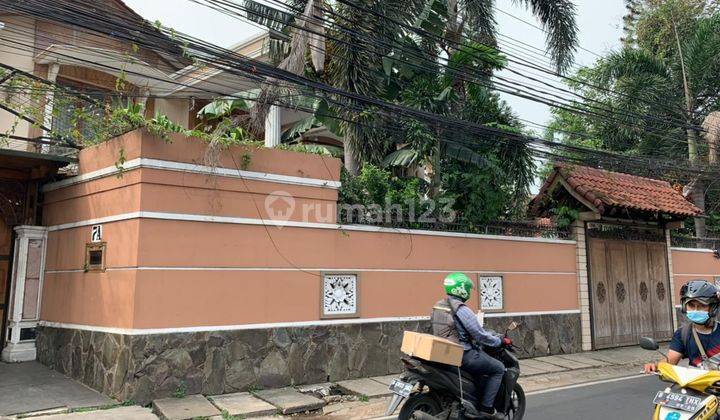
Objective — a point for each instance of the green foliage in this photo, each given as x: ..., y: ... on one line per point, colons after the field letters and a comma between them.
x: 245, y: 161
x: 470, y: 196
x: 222, y: 108
x: 376, y: 189
x: 401, y: 157
x: 646, y: 116
x: 315, y: 149
x: 255, y: 388
x: 654, y: 27
x: 227, y: 416
x: 180, y: 391
x: 565, y: 216
x: 120, y: 162
x: 713, y: 224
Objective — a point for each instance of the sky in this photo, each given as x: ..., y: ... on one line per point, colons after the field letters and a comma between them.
x: 599, y: 23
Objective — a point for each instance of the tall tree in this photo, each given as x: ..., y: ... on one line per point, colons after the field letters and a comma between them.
x: 660, y: 91
x: 361, y: 34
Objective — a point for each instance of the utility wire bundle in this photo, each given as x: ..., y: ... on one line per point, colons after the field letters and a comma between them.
x: 117, y: 25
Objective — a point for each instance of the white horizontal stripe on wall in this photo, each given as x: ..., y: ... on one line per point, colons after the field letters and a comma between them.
x: 691, y: 249
x: 146, y: 331
x: 696, y: 274
x: 304, y: 269
x: 290, y: 223
x: 536, y: 313
x: 192, y: 168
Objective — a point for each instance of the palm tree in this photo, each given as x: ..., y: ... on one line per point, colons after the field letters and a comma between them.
x: 347, y: 43
x: 680, y: 89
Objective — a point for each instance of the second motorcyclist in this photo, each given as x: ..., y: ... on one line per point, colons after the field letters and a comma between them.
x: 698, y: 341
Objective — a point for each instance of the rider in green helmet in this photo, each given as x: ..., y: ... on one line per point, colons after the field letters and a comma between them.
x: 458, y: 285
x: 453, y: 320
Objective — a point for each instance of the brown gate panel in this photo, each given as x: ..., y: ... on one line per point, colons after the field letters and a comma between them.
x: 600, y: 291
x: 629, y: 284
x: 660, y: 298
x: 639, y: 288
x: 620, y: 285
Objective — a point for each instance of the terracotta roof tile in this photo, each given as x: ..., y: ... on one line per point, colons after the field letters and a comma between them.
x: 613, y: 189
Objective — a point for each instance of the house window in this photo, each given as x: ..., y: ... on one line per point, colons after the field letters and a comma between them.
x: 95, y: 257
x: 65, y: 121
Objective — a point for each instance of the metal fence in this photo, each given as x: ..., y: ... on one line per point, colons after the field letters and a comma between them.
x: 527, y: 229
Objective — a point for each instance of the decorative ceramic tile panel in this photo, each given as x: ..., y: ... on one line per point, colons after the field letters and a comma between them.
x: 491, y: 293
x: 339, y: 295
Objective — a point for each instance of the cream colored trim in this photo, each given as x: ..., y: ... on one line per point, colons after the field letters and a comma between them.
x: 192, y: 168
x: 697, y: 274
x: 532, y: 313
x: 281, y: 223
x: 674, y: 248
x: 583, y: 285
x: 146, y: 331
x: 671, y: 275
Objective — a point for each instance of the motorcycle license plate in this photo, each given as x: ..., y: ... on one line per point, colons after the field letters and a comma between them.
x: 678, y: 401
x: 401, y: 388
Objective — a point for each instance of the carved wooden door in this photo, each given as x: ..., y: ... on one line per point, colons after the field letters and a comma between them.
x: 628, y: 282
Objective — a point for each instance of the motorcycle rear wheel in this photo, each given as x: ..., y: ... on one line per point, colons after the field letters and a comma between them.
x: 419, y: 402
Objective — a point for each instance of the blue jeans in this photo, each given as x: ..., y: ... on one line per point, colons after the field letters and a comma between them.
x: 478, y: 363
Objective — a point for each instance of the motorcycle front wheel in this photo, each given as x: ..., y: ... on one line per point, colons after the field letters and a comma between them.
x: 422, y: 402
x: 518, y: 400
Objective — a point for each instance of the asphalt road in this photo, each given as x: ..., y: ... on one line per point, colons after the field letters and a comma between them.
x: 625, y: 399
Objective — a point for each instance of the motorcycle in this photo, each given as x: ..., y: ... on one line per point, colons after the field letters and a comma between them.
x: 693, y: 394
x: 438, y: 391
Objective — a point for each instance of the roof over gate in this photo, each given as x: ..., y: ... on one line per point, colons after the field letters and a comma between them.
x: 605, y: 192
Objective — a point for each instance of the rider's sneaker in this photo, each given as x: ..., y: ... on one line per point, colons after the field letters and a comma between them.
x: 495, y: 415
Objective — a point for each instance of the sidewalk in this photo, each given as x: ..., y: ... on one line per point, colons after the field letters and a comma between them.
x: 352, y: 399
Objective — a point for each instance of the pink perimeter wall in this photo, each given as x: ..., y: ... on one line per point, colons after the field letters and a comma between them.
x: 190, y: 245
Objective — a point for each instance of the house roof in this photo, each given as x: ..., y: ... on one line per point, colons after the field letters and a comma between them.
x: 603, y: 189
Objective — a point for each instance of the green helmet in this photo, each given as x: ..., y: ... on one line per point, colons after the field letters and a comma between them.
x: 458, y: 285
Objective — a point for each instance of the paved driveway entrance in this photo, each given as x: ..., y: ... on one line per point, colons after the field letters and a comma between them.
x: 28, y: 387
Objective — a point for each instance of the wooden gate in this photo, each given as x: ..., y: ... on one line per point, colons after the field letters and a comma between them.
x: 629, y: 285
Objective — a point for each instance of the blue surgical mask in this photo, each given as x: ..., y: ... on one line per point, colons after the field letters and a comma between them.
x: 698, y: 317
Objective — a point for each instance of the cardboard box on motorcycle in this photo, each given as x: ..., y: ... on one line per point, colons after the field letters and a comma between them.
x: 432, y: 348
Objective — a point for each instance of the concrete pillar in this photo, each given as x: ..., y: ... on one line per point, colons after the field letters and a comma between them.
x: 273, y: 127
x: 583, y: 284
x: 53, y: 71
x: 26, y: 284
x: 672, y: 279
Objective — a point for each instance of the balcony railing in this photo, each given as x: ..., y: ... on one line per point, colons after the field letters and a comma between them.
x: 686, y: 241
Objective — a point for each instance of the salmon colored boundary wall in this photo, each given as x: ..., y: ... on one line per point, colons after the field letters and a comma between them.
x: 171, y: 263
x: 690, y: 264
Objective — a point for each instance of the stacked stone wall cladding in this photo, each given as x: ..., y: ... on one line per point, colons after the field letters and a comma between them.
x: 144, y: 367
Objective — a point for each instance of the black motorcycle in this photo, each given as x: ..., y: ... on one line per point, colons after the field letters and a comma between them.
x: 433, y: 390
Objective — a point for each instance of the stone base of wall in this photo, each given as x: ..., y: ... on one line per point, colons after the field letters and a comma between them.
x: 145, y: 367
